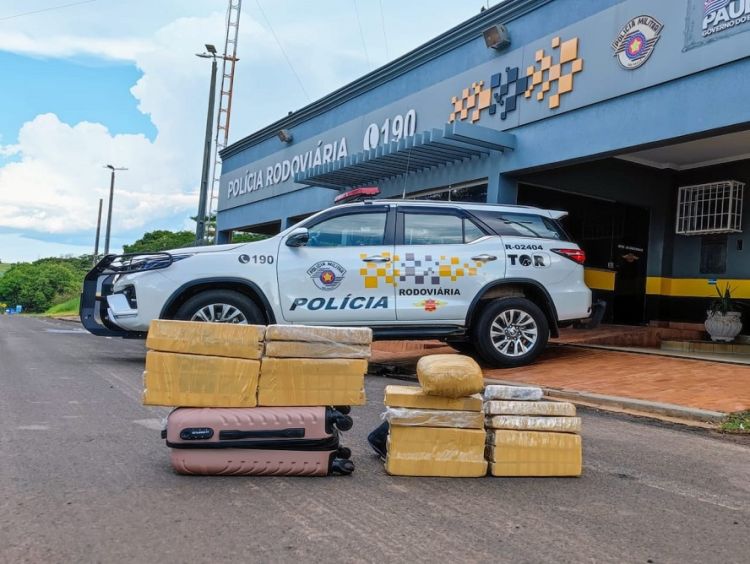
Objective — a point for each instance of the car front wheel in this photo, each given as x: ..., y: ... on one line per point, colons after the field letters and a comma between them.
x: 511, y: 332
x: 220, y: 306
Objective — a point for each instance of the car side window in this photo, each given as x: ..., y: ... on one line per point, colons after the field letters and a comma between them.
x: 353, y: 230
x: 523, y: 225
x: 438, y: 229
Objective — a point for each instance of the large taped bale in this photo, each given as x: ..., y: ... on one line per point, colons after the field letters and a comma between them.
x: 538, y: 408
x: 406, y: 417
x: 314, y: 334
x: 415, y: 397
x: 430, y: 451
x: 173, y: 379
x: 516, y: 393
x: 303, y: 381
x: 297, y: 349
x: 213, y: 339
x: 449, y: 375
x: 534, y: 453
x: 527, y: 423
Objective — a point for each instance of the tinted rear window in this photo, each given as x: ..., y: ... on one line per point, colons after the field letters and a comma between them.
x: 513, y: 224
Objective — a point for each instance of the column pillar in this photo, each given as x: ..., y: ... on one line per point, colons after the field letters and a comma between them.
x: 502, y: 189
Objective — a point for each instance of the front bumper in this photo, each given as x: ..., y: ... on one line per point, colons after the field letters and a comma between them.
x: 101, y: 307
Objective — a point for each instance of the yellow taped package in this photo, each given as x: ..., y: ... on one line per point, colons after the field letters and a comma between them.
x: 430, y: 451
x: 213, y: 339
x: 306, y: 381
x: 414, y: 397
x: 449, y: 375
x: 540, y: 408
x: 527, y: 423
x: 298, y: 349
x: 407, y: 417
x: 173, y: 379
x: 314, y: 334
x: 534, y: 453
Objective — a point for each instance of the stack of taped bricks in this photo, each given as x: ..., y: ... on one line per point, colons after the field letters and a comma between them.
x: 437, y: 429
x: 530, y: 437
x: 277, y: 387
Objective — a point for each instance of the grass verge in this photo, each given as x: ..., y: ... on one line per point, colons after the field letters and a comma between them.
x: 738, y: 422
x: 69, y: 307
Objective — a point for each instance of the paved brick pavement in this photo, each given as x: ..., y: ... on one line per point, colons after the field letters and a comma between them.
x: 693, y: 383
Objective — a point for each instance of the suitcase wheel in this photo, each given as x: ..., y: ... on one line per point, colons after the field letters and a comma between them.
x: 343, y: 422
x: 342, y: 466
x: 344, y: 452
x: 345, y: 409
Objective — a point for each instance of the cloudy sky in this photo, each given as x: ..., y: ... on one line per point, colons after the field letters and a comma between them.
x: 114, y: 81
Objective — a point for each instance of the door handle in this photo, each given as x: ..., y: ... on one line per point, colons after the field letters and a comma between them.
x: 484, y: 258
x: 376, y: 258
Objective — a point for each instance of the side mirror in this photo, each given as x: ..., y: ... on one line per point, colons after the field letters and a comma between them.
x: 298, y: 237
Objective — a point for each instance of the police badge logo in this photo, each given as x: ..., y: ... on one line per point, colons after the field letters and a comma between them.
x: 636, y: 41
x: 326, y: 274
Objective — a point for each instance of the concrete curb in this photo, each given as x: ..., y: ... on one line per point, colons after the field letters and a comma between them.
x: 668, y: 411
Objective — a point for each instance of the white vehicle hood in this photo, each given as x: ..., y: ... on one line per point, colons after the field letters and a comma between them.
x: 205, y: 249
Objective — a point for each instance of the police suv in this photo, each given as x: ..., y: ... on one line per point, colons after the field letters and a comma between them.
x: 494, y: 279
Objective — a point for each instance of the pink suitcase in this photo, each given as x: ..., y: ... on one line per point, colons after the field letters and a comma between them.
x: 282, y: 441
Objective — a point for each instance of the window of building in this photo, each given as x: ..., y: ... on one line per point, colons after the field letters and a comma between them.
x: 353, y: 230
x: 437, y: 229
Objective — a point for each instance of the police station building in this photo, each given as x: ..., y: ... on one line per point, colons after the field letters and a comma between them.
x: 632, y: 115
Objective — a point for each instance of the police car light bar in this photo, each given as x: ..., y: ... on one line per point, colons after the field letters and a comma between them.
x: 357, y: 194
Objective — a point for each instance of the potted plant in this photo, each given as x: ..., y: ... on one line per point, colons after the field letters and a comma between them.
x: 723, y: 321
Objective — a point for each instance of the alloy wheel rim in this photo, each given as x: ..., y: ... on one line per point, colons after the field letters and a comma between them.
x: 514, y: 332
x: 219, y: 313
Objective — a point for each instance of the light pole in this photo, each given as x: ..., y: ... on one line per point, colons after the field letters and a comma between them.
x: 98, y: 229
x: 109, y: 210
x: 200, y: 227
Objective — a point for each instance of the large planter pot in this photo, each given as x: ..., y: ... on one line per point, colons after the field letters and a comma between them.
x: 723, y: 327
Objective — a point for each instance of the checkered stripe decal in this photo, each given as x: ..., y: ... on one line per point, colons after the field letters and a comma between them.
x: 560, y: 74
x: 425, y: 270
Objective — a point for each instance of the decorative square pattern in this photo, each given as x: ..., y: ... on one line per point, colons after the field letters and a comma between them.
x: 427, y: 270
x: 557, y: 79
x: 476, y: 99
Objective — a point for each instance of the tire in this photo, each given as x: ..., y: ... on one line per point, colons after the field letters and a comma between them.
x: 515, y: 347
x: 464, y: 347
x: 221, y: 306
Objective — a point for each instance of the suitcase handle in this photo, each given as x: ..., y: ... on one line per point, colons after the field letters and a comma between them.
x: 236, y: 435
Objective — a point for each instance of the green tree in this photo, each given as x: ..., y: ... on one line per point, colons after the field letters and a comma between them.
x: 38, y: 286
x: 160, y: 240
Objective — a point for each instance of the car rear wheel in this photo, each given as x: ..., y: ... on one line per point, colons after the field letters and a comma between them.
x: 511, y: 332
x: 220, y: 306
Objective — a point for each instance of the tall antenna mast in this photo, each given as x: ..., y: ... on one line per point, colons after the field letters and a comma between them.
x: 225, y: 99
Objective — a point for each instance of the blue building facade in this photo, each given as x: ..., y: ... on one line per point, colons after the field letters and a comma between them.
x: 632, y: 115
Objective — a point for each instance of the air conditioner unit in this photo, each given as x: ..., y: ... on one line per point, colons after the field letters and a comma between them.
x: 705, y: 209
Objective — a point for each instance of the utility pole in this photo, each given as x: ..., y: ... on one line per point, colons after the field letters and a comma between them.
x: 98, y: 230
x: 109, y: 210
x: 200, y: 227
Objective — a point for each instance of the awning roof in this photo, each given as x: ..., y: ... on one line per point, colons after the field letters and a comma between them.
x: 455, y: 143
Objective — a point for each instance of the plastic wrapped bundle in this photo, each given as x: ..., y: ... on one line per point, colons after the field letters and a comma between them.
x: 525, y: 423
x: 306, y: 381
x: 516, y: 393
x: 533, y: 453
x: 213, y: 339
x: 539, y: 408
x: 314, y: 334
x: 430, y: 451
x: 173, y: 379
x: 406, y: 417
x: 449, y: 375
x: 298, y: 349
x: 415, y: 397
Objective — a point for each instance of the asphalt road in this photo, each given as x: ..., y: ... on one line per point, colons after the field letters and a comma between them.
x: 84, y: 477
